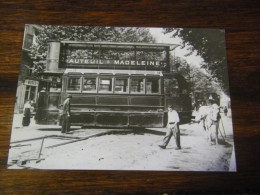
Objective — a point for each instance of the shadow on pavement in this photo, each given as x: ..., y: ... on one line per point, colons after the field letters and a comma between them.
x: 53, y: 129
x: 148, y: 131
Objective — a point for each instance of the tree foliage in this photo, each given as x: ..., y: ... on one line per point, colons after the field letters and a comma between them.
x: 210, y: 45
x: 199, y: 80
x: 82, y: 33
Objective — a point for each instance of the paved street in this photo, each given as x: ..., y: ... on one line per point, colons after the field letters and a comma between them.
x: 118, y: 149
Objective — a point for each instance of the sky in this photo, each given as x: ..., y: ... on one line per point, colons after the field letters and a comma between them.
x: 165, y: 38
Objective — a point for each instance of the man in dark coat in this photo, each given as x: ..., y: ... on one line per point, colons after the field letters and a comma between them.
x: 66, y: 115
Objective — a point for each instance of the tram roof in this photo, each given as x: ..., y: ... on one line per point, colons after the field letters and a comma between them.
x: 109, y: 44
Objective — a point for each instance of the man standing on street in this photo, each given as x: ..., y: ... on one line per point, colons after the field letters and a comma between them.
x: 173, y: 129
x: 66, y: 115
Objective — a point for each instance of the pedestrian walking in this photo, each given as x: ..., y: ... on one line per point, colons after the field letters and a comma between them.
x: 172, y: 129
x: 66, y: 115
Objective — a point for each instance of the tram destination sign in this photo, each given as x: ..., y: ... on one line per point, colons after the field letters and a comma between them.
x: 73, y: 61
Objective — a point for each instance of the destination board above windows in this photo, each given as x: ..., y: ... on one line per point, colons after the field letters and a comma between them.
x: 72, y: 61
x: 135, y: 56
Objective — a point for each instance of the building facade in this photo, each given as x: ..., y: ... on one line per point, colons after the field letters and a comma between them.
x: 27, y: 88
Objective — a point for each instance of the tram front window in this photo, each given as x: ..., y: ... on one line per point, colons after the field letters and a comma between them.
x: 152, y: 85
x: 89, y: 84
x: 105, y: 85
x: 137, y: 85
x: 73, y: 84
x: 121, y: 85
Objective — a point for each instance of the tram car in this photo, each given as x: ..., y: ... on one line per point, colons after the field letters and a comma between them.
x: 112, y: 84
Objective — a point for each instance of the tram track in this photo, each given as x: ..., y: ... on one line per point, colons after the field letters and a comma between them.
x: 29, y: 146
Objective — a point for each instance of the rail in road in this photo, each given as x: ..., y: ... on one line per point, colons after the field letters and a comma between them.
x: 65, y: 140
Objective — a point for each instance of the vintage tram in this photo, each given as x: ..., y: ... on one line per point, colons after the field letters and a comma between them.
x: 112, y: 84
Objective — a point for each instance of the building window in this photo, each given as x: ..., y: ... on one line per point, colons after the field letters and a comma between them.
x: 105, y: 85
x: 137, y: 85
x: 73, y: 84
x: 89, y: 85
x: 152, y: 85
x: 121, y: 85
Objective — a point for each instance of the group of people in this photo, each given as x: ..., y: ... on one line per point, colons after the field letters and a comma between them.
x: 208, y: 116
x: 65, y: 118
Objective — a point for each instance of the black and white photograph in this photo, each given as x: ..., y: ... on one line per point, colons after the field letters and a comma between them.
x: 122, y: 98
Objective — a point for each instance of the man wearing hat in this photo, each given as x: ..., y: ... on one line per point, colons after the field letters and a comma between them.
x: 66, y: 115
x: 173, y: 129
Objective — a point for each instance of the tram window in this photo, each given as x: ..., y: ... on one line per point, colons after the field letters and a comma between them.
x: 89, y: 84
x: 152, y: 85
x: 121, y: 85
x: 105, y: 85
x: 137, y: 85
x: 73, y: 84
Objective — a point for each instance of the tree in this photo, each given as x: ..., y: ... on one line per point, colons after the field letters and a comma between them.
x: 198, y: 79
x: 82, y: 33
x: 210, y: 45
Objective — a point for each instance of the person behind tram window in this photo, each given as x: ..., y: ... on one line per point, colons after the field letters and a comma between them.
x: 66, y: 115
x: 172, y: 129
x: 26, y: 114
